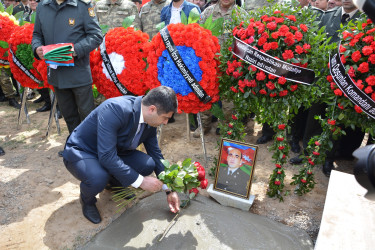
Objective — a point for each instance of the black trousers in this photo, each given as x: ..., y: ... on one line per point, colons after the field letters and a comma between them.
x: 75, y: 104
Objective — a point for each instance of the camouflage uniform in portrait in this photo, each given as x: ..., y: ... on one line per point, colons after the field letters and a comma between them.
x: 114, y: 14
x: 150, y: 16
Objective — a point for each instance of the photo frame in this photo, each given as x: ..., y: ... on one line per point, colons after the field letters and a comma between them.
x: 235, y: 168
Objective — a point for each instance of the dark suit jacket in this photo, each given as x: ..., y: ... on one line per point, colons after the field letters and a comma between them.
x: 107, y: 133
x: 332, y: 20
x: 235, y: 183
x: 20, y: 8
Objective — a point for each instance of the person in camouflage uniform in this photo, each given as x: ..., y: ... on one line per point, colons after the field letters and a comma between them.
x: 150, y: 16
x: 113, y: 12
x: 7, y: 86
x: 224, y: 10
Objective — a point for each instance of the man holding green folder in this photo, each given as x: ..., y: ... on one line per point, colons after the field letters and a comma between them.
x: 75, y: 22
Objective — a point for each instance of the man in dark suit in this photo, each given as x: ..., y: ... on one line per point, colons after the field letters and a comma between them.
x: 231, y: 178
x: 23, y: 6
x: 104, y: 146
x: 332, y: 20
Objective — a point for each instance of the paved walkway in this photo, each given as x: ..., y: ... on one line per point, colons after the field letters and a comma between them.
x: 205, y: 224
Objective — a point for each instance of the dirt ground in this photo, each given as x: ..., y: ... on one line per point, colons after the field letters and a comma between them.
x: 39, y: 206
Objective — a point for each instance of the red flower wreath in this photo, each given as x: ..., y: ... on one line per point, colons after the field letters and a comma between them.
x: 358, y: 51
x: 20, y: 43
x: 7, y: 25
x: 206, y: 48
x: 126, y: 49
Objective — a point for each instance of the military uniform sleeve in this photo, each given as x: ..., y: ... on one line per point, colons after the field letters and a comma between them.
x: 93, y: 32
x: 38, y: 38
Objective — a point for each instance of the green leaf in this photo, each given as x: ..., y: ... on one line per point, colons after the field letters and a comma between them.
x: 19, y: 16
x: 1, y: 7
x: 165, y: 163
x: 4, y: 45
x: 194, y: 16
x: 6, y: 54
x: 217, y: 28
x: 207, y: 24
x: 128, y: 21
x: 104, y: 28
x: 161, y: 176
x: 178, y: 182
x: 33, y: 17
x: 183, y: 18
x: 160, y: 26
x: 341, y: 116
x: 9, y: 10
x: 186, y: 162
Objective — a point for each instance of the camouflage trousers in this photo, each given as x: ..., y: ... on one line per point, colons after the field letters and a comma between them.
x: 6, y: 83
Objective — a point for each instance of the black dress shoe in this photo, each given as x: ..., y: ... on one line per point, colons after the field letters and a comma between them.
x: 217, y: 131
x: 46, y: 107
x: 264, y: 139
x: 295, y: 147
x: 3, y: 98
x: 39, y: 100
x: 2, y: 152
x: 296, y: 160
x: 90, y: 212
x: 327, y: 168
x: 14, y: 103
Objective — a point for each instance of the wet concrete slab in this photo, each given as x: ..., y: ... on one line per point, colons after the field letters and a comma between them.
x: 204, y: 224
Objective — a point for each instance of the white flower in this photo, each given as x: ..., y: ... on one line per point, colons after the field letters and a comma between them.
x: 118, y: 64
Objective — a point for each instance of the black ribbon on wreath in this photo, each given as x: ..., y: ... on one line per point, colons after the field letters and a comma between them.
x: 348, y: 87
x: 181, y: 66
x: 271, y: 65
x: 4, y: 62
x: 24, y: 69
x: 108, y: 65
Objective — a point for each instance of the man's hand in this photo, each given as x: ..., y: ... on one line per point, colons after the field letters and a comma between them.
x: 173, y: 202
x: 39, y: 52
x: 151, y: 184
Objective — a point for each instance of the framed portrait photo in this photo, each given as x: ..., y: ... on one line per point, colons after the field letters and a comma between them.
x: 235, y: 168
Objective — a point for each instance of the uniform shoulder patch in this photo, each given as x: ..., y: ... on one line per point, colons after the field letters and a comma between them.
x: 86, y: 1
x: 91, y: 11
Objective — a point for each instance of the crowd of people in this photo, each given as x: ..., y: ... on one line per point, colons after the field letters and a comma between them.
x: 112, y: 148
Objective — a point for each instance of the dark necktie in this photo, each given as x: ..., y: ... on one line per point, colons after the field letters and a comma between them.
x: 345, y: 18
x: 137, y: 136
x: 26, y: 9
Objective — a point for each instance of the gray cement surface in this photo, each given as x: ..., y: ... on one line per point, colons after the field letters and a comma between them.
x: 204, y: 224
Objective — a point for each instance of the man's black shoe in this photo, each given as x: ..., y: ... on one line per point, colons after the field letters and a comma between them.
x: 217, y: 131
x: 90, y: 212
x: 3, y: 98
x: 327, y: 168
x: 193, y: 127
x: 39, y: 100
x: 264, y: 139
x: 2, y: 152
x: 295, y: 147
x: 14, y: 103
x: 296, y: 160
x: 60, y: 153
x: 46, y: 107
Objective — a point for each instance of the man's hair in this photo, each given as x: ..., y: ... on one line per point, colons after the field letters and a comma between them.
x: 164, y: 98
x: 137, y: 1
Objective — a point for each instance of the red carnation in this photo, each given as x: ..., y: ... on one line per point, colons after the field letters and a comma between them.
x: 281, y: 126
x: 194, y: 190
x: 340, y: 106
x: 293, y: 87
x: 367, y: 50
x: 363, y: 67
x: 338, y: 92
x: 229, y: 133
x: 371, y: 59
x: 197, y: 164
x: 369, y: 90
x: 262, y: 92
x: 281, y: 80
x: 316, y: 153
x: 283, y: 93
x: 306, y: 47
x: 260, y: 76
x: 303, y: 27
x: 278, y: 165
x: 371, y: 80
x: 278, y: 172
x: 288, y: 54
x: 317, y: 143
x: 277, y: 182
x: 280, y: 138
x: 204, y: 184
x: 299, y: 49
x: 342, y: 49
x: 331, y: 122
x: 275, y: 35
x: 270, y: 85
x: 281, y: 147
x: 356, y: 56
x: 311, y: 162
x: 303, y: 180
x: 292, y: 18
x: 230, y: 125
x: 368, y: 39
x: 271, y: 26
x: 234, y: 117
x: 274, y: 45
